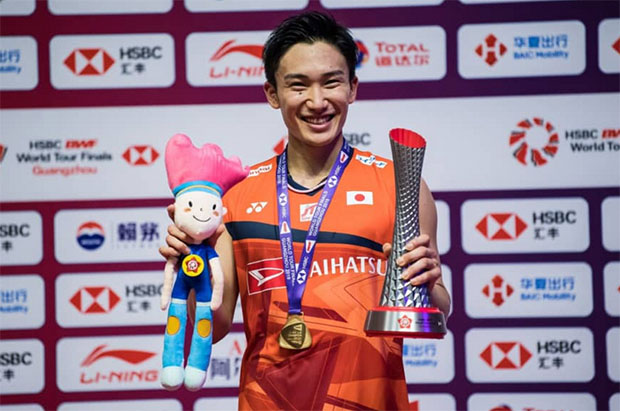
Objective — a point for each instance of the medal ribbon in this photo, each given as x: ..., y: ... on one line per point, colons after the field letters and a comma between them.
x: 296, y: 277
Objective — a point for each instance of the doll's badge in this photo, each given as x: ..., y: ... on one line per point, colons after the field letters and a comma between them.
x: 193, y: 265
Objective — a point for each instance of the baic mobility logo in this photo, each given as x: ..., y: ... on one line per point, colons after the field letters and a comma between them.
x: 90, y: 235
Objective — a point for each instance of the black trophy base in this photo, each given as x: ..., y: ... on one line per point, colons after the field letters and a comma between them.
x: 406, y: 322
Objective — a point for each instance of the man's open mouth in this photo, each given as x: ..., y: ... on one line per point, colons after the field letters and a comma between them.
x: 318, y: 120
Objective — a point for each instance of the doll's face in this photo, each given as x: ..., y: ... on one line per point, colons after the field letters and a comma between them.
x: 198, y: 213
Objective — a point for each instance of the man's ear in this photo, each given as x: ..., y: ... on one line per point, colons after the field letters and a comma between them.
x: 353, y: 92
x: 272, y: 95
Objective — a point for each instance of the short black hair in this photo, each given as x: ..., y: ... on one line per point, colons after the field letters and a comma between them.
x: 308, y: 28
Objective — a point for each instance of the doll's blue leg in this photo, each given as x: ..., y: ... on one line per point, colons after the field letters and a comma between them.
x: 200, y: 352
x: 172, y: 358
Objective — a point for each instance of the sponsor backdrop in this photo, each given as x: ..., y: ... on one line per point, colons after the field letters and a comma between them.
x: 518, y: 100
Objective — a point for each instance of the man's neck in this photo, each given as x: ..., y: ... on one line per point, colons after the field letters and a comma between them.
x: 309, y: 165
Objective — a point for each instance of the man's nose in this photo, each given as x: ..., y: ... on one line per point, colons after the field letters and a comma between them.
x: 316, y: 98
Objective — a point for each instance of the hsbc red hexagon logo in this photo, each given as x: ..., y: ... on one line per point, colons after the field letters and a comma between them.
x: 141, y: 155
x: 506, y: 355
x: 94, y: 300
x: 3, y: 150
x: 501, y: 226
x: 498, y: 290
x: 265, y: 275
x: 527, y: 150
x: 616, y: 46
x: 491, y: 50
x: 89, y: 62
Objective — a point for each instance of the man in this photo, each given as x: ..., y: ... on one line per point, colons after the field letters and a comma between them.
x: 306, y: 345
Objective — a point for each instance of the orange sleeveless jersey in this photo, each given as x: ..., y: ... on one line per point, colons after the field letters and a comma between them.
x: 343, y: 369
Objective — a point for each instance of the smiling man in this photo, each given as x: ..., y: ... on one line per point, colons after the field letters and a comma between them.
x: 319, y: 243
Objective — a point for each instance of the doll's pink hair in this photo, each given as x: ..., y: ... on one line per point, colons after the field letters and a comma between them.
x: 205, y: 168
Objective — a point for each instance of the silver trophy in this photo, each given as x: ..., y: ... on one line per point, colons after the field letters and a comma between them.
x: 405, y: 310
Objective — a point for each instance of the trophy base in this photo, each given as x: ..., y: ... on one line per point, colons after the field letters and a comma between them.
x: 406, y: 322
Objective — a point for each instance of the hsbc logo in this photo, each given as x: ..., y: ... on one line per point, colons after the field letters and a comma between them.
x: 491, y: 50
x: 89, y: 61
x: 143, y: 155
x: 3, y: 150
x: 94, y: 300
x: 265, y: 275
x: 501, y: 226
x: 506, y: 355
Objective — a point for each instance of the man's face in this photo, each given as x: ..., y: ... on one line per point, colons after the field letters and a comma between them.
x: 313, y: 92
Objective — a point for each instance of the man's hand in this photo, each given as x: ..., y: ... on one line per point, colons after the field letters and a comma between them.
x: 422, y: 261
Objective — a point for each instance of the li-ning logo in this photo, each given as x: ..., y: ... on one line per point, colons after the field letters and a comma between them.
x: 140, y: 155
x: 89, y: 62
x: 501, y: 226
x: 491, y: 49
x: 498, y: 290
x: 254, y: 50
x: 527, y: 153
x: 133, y: 357
x: 505, y: 355
x: 94, y: 300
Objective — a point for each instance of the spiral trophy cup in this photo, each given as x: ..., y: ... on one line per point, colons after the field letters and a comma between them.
x: 405, y: 310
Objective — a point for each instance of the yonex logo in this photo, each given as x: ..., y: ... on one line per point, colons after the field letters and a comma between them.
x: 491, y: 49
x: 505, y: 355
x: 501, y: 226
x: 140, y: 155
x: 129, y: 356
x: 532, y: 153
x: 255, y: 50
x: 256, y: 207
x: 89, y: 62
x: 94, y: 300
x: 498, y: 290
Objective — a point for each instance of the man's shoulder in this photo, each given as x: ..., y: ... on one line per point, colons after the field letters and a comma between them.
x: 370, y: 159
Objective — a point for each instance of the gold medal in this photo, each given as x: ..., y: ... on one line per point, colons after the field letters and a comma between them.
x: 295, y: 334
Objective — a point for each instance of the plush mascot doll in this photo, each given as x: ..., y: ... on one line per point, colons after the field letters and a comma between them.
x: 198, y: 178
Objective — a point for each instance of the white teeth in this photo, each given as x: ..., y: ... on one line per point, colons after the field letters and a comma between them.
x: 317, y: 120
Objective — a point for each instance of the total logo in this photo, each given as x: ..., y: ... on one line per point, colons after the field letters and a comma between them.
x: 90, y: 235
x: 362, y: 54
x: 140, y: 155
x: 501, y: 226
x: 491, y: 49
x: 506, y: 355
x: 89, y: 62
x: 94, y: 300
x: 498, y: 290
x: 533, y: 130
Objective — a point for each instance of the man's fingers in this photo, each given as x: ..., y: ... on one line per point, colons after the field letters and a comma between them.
x: 170, y: 210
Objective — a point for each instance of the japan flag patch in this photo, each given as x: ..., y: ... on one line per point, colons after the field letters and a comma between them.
x: 359, y: 197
